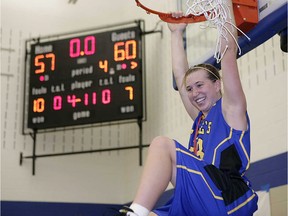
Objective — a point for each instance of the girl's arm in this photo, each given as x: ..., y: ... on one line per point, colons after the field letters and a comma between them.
x: 180, y: 64
x: 234, y: 102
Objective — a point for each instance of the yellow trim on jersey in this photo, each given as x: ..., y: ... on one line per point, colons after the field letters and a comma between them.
x: 199, y: 173
x: 241, y: 205
x: 244, y: 150
x: 187, y: 153
x: 215, y: 150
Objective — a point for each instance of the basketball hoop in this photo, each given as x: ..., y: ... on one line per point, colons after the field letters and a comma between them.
x: 245, y: 11
x: 217, y: 13
x: 167, y: 17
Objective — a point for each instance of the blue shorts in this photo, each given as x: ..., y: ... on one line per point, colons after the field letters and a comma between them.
x: 197, y: 194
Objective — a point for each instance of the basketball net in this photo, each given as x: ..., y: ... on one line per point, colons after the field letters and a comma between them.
x: 217, y: 14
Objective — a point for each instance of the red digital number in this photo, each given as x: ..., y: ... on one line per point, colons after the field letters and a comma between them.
x: 75, y: 47
x: 106, y: 96
x: 86, y: 98
x: 57, y: 102
x: 73, y: 100
x: 89, y: 46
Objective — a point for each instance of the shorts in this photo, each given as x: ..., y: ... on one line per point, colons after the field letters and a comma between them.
x: 197, y: 193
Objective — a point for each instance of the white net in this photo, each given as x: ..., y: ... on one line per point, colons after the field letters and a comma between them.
x: 217, y: 14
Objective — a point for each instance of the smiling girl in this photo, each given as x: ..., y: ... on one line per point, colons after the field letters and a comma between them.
x: 209, y: 175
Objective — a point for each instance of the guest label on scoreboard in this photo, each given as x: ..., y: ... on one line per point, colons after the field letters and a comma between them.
x: 87, y: 79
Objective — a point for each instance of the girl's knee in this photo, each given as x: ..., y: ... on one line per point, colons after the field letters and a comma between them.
x: 165, y: 147
x: 161, y: 142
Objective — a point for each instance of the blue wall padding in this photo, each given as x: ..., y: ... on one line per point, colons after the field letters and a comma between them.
x: 272, y: 171
x: 11, y: 208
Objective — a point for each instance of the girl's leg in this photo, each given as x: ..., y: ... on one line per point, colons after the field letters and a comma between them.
x: 159, y: 170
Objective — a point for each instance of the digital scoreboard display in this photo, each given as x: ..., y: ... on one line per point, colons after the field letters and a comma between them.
x: 87, y: 79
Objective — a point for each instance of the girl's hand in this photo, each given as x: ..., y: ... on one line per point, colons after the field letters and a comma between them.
x: 177, y: 27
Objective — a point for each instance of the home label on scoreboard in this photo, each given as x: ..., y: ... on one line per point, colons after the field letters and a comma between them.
x: 87, y: 79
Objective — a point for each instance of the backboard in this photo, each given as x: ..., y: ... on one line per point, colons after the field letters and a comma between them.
x: 272, y: 20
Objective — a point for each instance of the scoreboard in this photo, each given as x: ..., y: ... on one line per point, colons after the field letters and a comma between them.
x: 86, y: 79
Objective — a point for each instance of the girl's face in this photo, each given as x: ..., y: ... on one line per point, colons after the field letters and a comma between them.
x: 202, y: 92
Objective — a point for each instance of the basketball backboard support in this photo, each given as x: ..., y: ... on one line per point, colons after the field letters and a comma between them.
x: 272, y: 21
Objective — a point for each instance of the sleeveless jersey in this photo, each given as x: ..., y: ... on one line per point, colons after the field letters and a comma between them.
x: 211, y: 179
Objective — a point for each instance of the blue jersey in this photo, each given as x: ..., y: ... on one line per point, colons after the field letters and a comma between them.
x: 210, y: 179
x: 215, y: 136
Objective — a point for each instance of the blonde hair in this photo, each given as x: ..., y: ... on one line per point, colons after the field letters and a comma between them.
x: 213, y: 72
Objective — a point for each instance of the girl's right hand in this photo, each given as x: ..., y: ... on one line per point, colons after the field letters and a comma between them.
x: 177, y: 26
